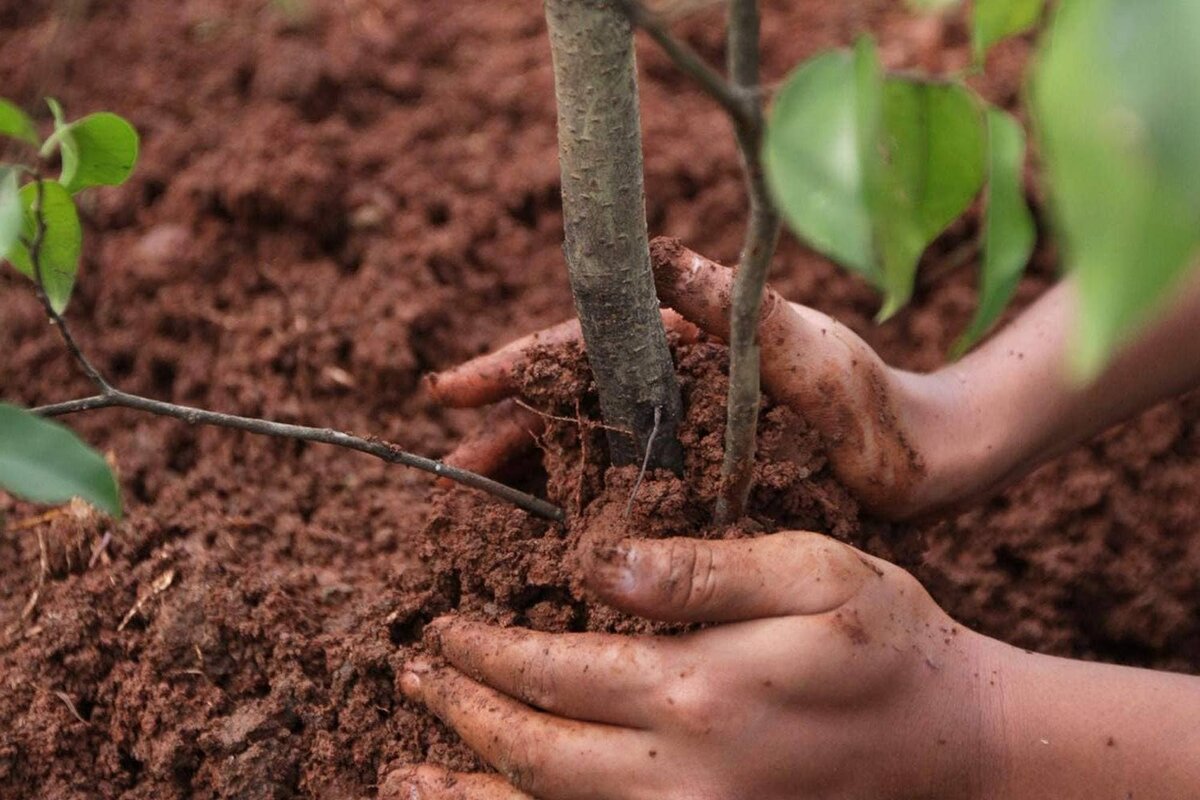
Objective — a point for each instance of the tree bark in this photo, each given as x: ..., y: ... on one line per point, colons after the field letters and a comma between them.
x: 606, y: 247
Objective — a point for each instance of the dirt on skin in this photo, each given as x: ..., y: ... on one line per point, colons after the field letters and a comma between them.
x: 338, y: 197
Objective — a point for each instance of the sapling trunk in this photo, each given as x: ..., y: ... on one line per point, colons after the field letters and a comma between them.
x: 607, y: 248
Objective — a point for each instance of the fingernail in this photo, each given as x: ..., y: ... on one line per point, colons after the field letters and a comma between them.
x: 614, y: 567
x: 404, y: 785
x: 410, y: 679
x: 432, y: 635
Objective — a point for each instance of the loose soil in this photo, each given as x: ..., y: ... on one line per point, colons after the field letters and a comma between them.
x: 338, y: 197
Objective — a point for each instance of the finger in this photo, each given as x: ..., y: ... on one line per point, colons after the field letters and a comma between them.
x: 507, y: 432
x: 813, y: 364
x: 796, y: 355
x: 428, y: 782
x: 695, y: 580
x: 583, y: 676
x: 543, y: 755
x: 490, y: 378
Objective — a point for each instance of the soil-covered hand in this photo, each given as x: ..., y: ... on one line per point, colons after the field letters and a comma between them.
x: 906, y: 444
x: 831, y: 675
x: 878, y: 423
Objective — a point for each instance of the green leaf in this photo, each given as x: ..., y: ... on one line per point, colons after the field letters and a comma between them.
x: 813, y: 163
x: 999, y: 19
x: 1119, y: 124
x: 46, y: 463
x: 11, y: 214
x: 1009, y: 233
x: 98, y: 150
x: 61, y: 244
x: 869, y: 170
x: 15, y: 123
x: 932, y: 167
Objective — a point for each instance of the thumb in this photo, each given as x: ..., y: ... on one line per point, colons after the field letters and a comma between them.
x: 696, y: 580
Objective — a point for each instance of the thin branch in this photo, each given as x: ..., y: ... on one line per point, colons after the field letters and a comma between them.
x: 115, y: 398
x: 758, y: 247
x: 738, y: 103
x: 111, y: 397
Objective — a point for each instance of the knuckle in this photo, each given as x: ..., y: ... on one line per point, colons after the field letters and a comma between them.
x: 692, y: 575
x: 830, y: 556
x: 536, y: 685
x: 693, y: 707
x: 518, y: 765
x: 772, y: 303
x: 633, y: 659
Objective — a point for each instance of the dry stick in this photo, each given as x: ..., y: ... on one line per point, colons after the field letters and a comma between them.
x: 111, y: 397
x: 115, y: 398
x: 741, y: 98
x: 762, y: 233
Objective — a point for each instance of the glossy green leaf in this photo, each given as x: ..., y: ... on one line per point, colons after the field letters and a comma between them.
x: 813, y: 161
x: 11, y: 213
x: 869, y: 170
x: 998, y: 19
x: 868, y: 95
x: 1009, y: 233
x: 1119, y: 122
x: 98, y: 150
x: 16, y: 123
x: 933, y: 143
x: 62, y: 242
x: 46, y: 463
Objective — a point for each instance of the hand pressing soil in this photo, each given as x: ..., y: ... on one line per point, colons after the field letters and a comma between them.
x: 875, y: 422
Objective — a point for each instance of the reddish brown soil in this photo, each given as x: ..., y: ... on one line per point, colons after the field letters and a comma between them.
x: 326, y: 209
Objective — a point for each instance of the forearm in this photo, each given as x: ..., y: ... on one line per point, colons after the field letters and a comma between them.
x: 1074, y: 730
x: 1012, y: 404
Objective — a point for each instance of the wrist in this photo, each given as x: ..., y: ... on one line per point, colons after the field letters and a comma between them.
x: 1077, y: 730
x: 962, y: 444
x: 985, y: 759
x: 953, y: 737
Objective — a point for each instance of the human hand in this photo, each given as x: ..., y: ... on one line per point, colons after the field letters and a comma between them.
x: 833, y: 675
x: 886, y: 431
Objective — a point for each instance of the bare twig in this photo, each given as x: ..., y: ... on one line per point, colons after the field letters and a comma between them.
x: 758, y: 247
x: 736, y: 102
x: 645, y: 461
x: 111, y: 397
x: 115, y: 398
x: 742, y: 97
